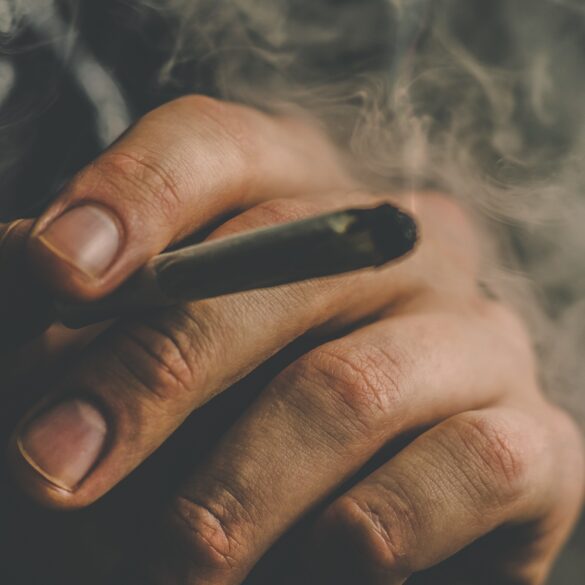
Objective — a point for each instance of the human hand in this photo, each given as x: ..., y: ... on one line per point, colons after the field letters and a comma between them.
x: 435, y: 359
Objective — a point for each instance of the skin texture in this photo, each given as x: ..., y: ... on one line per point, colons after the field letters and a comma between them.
x: 378, y: 425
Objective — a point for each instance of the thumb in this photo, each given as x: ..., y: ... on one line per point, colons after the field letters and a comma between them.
x: 25, y: 305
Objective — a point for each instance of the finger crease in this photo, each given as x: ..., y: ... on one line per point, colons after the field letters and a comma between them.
x: 145, y: 380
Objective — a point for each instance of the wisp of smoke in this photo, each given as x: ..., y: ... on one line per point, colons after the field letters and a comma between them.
x: 483, y: 100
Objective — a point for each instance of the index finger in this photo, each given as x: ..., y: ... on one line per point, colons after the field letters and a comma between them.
x: 182, y: 166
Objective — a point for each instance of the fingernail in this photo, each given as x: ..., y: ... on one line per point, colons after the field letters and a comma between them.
x: 64, y: 443
x: 87, y: 237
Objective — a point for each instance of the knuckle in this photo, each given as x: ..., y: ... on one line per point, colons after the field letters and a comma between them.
x: 363, y: 379
x: 156, y: 356
x: 378, y: 543
x: 502, y: 456
x: 156, y: 183
x: 208, y: 536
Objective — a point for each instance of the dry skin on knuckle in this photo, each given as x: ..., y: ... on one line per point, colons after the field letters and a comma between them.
x: 365, y: 380
x: 154, y: 358
x: 155, y: 180
x: 168, y: 355
x: 500, y: 456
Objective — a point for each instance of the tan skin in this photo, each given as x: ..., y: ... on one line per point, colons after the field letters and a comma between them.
x: 410, y: 366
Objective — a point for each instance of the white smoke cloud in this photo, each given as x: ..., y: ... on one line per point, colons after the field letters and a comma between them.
x: 490, y: 108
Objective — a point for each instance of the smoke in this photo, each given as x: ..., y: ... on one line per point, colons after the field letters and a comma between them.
x: 483, y: 100
x: 44, y: 18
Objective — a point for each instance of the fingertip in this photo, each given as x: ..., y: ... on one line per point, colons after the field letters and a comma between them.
x: 76, y: 251
x: 55, y: 450
x: 87, y: 237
